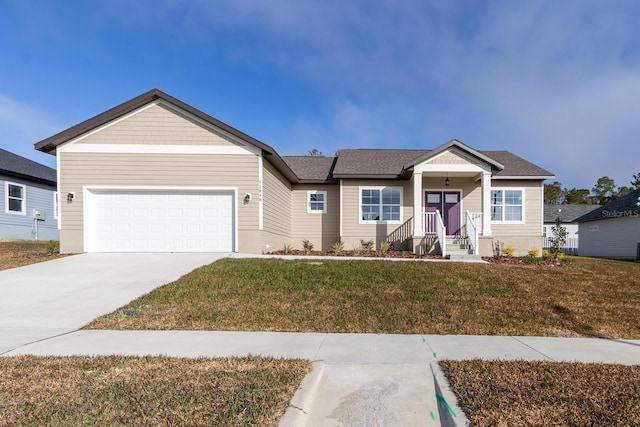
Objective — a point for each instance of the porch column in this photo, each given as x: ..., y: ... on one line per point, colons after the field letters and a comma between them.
x: 486, y: 203
x: 418, y: 227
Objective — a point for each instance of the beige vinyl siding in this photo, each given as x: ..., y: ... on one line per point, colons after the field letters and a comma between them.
x: 164, y: 170
x: 276, y: 208
x: 453, y: 156
x: 321, y: 229
x: 610, y: 238
x: 156, y: 125
x: 533, y: 210
x: 352, y: 230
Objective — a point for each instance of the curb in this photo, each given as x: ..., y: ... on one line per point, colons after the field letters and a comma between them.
x: 303, y: 398
x: 448, y: 409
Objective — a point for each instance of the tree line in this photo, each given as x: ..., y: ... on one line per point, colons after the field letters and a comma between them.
x: 603, y: 192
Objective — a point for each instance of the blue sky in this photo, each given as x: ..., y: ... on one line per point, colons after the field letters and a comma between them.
x: 556, y: 82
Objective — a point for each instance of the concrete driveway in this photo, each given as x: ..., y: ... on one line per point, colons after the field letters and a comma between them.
x: 51, y: 298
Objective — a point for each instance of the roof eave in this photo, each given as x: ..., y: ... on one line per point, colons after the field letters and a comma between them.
x: 366, y: 176
x: 531, y: 177
x: 27, y: 177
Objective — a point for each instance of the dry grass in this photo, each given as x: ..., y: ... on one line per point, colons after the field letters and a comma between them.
x: 18, y: 254
x: 495, y: 393
x: 129, y: 391
x: 585, y: 297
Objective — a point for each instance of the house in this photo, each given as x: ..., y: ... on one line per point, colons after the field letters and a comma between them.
x: 29, y: 198
x: 568, y: 215
x: 613, y: 230
x: 156, y: 174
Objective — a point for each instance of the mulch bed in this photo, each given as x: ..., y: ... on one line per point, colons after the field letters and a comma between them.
x: 512, y: 260
x: 362, y: 254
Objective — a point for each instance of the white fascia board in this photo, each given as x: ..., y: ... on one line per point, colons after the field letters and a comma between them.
x: 532, y: 178
x: 260, y: 192
x: 429, y: 167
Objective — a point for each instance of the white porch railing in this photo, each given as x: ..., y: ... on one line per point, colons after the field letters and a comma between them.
x: 441, y: 231
x: 476, y: 217
x: 472, y: 230
x: 429, y: 223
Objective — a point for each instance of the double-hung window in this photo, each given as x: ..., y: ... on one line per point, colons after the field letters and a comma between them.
x: 507, y: 205
x: 316, y: 202
x: 380, y: 203
x: 15, y: 198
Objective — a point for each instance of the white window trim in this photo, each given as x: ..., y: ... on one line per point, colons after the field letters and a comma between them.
x: 503, y: 189
x: 56, y: 204
x: 6, y: 198
x: 379, y: 187
x: 324, y: 203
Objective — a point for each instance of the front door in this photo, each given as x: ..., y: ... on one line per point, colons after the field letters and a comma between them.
x: 448, y: 203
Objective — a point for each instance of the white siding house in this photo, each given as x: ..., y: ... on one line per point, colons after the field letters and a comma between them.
x: 613, y: 230
x: 28, y: 199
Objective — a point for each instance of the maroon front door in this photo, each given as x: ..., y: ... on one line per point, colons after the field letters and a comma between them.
x: 448, y: 203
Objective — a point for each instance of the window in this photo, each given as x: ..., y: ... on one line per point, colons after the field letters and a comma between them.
x: 316, y: 202
x: 506, y: 205
x: 15, y: 201
x: 380, y: 203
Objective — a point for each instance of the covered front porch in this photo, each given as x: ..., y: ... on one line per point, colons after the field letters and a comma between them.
x: 451, y: 210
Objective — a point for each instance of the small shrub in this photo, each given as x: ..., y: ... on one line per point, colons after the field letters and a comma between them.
x: 337, y: 246
x: 508, y: 251
x: 307, y: 246
x: 545, y: 254
x: 385, y: 246
x: 357, y: 250
x: 497, y: 249
x: 560, y: 256
x: 559, y: 238
x: 533, y: 253
x: 287, y: 248
x: 53, y: 247
x: 530, y: 259
x: 367, y: 245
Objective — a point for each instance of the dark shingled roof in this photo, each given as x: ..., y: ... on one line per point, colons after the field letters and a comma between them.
x: 568, y: 213
x: 376, y: 163
x: 625, y: 206
x: 515, y: 166
x: 312, y: 169
x: 18, y: 166
x: 380, y: 163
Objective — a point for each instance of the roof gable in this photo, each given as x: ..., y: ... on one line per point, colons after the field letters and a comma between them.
x: 14, y: 165
x: 50, y: 144
x: 453, y: 146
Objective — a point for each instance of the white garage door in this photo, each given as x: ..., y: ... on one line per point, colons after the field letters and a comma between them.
x: 153, y: 221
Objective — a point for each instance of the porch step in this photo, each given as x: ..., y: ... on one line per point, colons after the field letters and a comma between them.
x: 464, y: 257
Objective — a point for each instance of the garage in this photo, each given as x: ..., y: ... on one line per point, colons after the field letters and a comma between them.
x: 159, y: 221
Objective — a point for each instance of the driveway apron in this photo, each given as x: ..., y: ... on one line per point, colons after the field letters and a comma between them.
x: 51, y: 298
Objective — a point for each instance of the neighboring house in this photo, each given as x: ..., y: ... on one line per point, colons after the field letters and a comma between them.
x: 155, y: 174
x: 568, y: 215
x: 613, y: 230
x: 28, y: 196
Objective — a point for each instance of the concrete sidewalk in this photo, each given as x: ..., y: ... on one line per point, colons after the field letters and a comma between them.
x: 357, y: 379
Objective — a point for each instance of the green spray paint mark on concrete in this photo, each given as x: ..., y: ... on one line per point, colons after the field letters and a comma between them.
x: 434, y: 353
x: 444, y: 402
x: 433, y: 416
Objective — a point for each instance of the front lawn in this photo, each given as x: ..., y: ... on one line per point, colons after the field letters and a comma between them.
x: 25, y: 252
x: 584, y: 297
x: 494, y: 393
x: 158, y: 391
